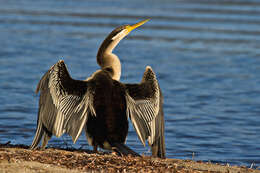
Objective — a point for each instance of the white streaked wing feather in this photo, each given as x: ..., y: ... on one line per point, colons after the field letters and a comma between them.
x: 143, y: 109
x: 69, y: 108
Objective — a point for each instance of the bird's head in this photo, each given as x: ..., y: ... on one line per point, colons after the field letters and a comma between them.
x: 105, y: 57
x: 117, y: 35
x: 122, y: 31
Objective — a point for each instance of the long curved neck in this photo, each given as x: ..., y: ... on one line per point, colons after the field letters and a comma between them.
x: 106, y: 59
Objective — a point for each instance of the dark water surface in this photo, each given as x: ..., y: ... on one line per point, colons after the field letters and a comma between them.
x: 205, y: 53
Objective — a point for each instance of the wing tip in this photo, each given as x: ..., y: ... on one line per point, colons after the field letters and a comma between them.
x: 61, y: 61
x: 149, y: 74
x: 148, y: 68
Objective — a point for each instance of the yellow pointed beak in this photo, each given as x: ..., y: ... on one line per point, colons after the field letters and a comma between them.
x: 132, y: 27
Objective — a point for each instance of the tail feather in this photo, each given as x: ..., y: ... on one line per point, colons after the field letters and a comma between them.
x: 123, y: 150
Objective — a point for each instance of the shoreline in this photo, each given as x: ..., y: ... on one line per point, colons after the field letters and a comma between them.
x: 19, y: 157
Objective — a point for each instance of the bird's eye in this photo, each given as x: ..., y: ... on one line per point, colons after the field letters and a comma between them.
x: 120, y: 34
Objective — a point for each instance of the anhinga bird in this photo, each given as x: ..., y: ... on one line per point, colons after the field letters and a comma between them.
x: 101, y: 103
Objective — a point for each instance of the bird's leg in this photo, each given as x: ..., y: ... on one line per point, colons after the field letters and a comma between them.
x: 95, y: 148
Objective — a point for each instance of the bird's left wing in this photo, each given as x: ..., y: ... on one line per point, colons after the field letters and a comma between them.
x: 64, y: 102
x: 144, y: 107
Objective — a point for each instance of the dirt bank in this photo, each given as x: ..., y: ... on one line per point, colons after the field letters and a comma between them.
x: 18, y: 158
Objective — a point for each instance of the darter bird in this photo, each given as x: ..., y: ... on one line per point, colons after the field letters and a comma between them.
x: 101, y: 104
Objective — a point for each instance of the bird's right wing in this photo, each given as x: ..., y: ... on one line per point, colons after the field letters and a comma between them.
x: 144, y: 107
x: 64, y: 102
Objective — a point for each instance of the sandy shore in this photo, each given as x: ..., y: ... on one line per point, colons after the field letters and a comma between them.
x: 18, y: 158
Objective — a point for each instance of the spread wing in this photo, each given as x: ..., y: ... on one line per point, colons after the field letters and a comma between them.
x: 144, y: 107
x: 64, y: 102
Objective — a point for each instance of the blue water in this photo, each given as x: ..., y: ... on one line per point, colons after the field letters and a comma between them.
x: 205, y: 54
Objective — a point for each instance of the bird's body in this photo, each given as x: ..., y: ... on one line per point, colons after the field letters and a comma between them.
x: 101, y: 104
x: 110, y: 125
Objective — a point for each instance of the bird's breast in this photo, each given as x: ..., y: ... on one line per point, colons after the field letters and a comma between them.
x: 110, y: 122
